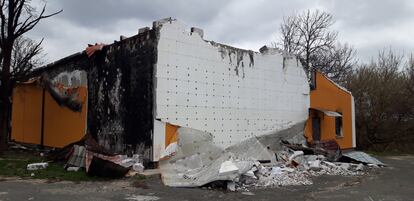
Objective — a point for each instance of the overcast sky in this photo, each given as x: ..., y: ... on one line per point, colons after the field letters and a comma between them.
x: 368, y: 25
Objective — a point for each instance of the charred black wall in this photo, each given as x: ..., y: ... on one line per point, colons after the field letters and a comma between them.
x: 120, y: 82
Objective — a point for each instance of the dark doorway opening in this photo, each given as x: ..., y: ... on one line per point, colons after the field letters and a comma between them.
x: 316, y: 129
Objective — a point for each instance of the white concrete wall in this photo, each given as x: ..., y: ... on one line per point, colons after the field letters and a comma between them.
x: 232, y: 93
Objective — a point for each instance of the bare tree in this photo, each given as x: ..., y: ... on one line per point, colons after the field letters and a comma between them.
x: 290, y: 35
x: 26, y: 55
x: 308, y: 35
x: 17, y: 18
x: 336, y: 63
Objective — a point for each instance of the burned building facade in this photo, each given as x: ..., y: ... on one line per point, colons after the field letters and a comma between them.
x: 140, y: 87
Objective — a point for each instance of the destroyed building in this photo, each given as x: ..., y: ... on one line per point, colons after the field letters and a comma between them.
x: 134, y: 94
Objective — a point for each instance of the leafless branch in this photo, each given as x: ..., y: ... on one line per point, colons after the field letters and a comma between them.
x: 308, y: 35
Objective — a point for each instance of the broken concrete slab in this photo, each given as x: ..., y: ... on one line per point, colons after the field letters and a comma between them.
x: 198, y: 161
x: 315, y: 165
x: 228, y: 167
x: 293, y: 135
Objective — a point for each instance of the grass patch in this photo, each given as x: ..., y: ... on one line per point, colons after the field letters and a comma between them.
x: 140, y: 177
x: 14, y: 164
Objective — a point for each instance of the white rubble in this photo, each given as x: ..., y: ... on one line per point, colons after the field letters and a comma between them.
x: 138, y: 167
x: 315, y: 165
x: 37, y: 166
x: 73, y: 169
x: 287, y: 174
x: 128, y: 162
x: 295, y: 155
x: 228, y: 167
x: 169, y: 150
x: 231, y: 186
x: 133, y: 163
x: 281, y: 176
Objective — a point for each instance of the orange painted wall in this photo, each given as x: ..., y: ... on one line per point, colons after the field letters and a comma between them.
x: 170, y: 134
x: 61, y: 125
x: 328, y: 96
x: 26, y: 113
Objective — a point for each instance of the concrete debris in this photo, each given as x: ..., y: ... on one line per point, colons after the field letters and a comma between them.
x: 295, y: 154
x: 360, y: 167
x: 87, y: 155
x: 250, y: 173
x: 73, y: 169
x: 169, y: 150
x: 231, y: 186
x: 287, y: 176
x: 138, y: 167
x: 198, y: 162
x: 315, y: 165
x: 37, y: 166
x: 128, y: 162
x: 337, y: 168
x: 228, y: 167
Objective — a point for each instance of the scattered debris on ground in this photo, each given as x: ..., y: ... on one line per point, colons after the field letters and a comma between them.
x: 89, y: 156
x: 197, y: 162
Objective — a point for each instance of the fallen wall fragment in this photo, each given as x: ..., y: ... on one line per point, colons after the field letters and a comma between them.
x: 198, y: 161
x: 293, y: 135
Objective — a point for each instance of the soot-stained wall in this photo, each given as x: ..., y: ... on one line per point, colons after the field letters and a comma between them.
x: 121, y: 94
x: 120, y: 91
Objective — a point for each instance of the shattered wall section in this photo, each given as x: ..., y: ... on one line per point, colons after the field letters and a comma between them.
x: 232, y: 93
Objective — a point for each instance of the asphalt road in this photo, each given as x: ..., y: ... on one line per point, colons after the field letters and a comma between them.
x: 395, y: 183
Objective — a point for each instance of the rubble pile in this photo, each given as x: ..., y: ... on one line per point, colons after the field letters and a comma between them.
x: 283, y: 175
x: 262, y: 176
x: 86, y: 155
x: 250, y: 164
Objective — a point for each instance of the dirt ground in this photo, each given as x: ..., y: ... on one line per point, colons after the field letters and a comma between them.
x: 393, y: 183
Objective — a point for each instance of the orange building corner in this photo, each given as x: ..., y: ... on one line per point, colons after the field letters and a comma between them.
x: 331, y: 113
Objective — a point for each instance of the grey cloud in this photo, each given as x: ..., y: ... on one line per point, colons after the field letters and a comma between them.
x: 105, y: 12
x: 235, y: 22
x: 369, y: 14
